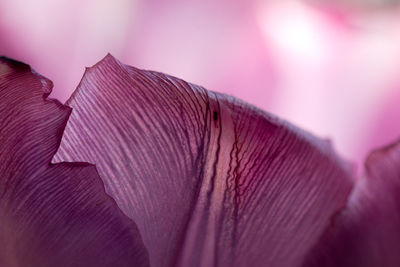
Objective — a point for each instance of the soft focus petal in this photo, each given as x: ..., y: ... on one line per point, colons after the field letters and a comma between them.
x: 210, y: 180
x: 52, y: 215
x: 367, y: 232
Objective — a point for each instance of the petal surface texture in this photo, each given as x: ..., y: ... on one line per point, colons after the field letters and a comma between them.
x: 52, y: 214
x: 367, y: 232
x: 209, y: 180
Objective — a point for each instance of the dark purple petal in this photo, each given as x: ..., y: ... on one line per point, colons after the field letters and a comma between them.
x: 210, y: 180
x: 367, y: 232
x: 52, y: 215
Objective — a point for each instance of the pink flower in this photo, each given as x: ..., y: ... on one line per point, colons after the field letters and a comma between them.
x: 183, y: 177
x: 330, y: 67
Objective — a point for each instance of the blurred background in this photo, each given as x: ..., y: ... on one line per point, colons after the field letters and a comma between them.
x: 330, y: 67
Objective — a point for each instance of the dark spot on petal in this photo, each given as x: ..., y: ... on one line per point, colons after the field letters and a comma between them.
x: 215, y: 116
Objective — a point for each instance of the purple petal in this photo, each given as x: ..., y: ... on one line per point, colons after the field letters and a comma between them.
x: 52, y: 215
x: 210, y: 180
x: 367, y: 232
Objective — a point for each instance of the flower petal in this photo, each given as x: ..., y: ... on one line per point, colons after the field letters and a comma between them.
x: 52, y: 215
x: 367, y: 232
x: 210, y: 180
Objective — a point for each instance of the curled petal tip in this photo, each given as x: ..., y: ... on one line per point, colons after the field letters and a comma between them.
x: 52, y: 215
x: 14, y: 64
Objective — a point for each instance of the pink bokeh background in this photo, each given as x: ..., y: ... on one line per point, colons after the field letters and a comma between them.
x: 330, y: 67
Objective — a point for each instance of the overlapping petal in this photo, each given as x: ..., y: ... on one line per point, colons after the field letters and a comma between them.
x: 52, y: 214
x: 209, y: 180
x: 367, y: 232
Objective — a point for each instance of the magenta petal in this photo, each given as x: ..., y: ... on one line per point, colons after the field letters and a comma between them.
x: 52, y: 215
x: 210, y: 180
x: 367, y: 232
